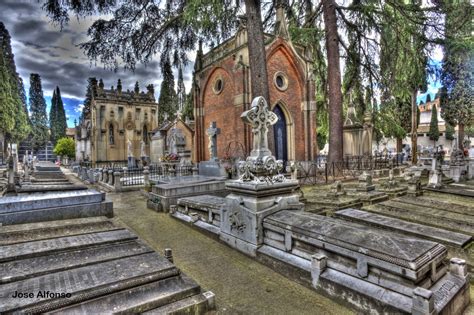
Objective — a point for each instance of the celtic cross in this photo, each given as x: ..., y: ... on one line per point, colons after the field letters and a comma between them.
x: 260, y: 118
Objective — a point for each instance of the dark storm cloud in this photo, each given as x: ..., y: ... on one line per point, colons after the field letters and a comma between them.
x: 40, y: 47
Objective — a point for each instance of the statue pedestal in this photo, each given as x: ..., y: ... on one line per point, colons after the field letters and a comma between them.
x: 246, y: 207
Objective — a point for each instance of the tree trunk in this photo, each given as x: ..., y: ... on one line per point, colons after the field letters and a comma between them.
x: 258, y: 57
x: 461, y: 136
x: 414, y: 127
x: 399, y: 145
x: 334, y: 82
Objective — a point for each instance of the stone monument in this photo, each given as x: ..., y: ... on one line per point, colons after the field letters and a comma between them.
x: 260, y: 191
x: 131, y: 158
x: 436, y: 175
x: 212, y: 167
x: 457, y: 163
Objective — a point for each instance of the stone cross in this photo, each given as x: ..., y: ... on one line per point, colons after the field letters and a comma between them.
x: 260, y: 118
x: 212, y: 133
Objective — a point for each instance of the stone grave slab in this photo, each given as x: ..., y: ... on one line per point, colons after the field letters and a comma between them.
x: 51, y: 206
x: 378, y: 269
x: 166, y: 194
x: 201, y: 210
x: 51, y: 187
x: 102, y: 268
x: 443, y: 219
x: 454, y: 189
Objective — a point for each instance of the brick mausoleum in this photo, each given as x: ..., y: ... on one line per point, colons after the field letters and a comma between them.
x: 222, y: 92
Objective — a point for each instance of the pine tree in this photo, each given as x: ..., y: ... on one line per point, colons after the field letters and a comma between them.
x: 168, y: 100
x: 39, y: 120
x: 457, y: 99
x: 433, y: 133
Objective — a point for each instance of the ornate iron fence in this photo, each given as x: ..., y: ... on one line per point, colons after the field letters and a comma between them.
x: 133, y: 177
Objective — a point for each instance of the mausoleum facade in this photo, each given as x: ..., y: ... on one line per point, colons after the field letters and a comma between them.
x: 117, y: 117
x: 222, y: 92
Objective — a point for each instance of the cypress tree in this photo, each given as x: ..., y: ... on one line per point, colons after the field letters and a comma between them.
x: 39, y: 120
x: 168, y: 99
x: 62, y: 119
x: 181, y: 92
x: 449, y: 135
x: 91, y: 92
x: 433, y: 133
x: 7, y: 105
x: 53, y: 117
x: 188, y: 110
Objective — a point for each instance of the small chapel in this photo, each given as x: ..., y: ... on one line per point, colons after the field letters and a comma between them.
x: 222, y: 92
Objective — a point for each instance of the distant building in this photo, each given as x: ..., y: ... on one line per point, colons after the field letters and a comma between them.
x: 71, y: 133
x: 115, y: 118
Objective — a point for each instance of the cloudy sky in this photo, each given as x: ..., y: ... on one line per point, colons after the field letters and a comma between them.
x: 41, y: 47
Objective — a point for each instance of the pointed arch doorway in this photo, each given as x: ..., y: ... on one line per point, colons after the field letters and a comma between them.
x: 280, y: 135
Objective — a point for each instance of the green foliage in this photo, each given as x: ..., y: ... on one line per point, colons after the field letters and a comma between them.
x: 188, y: 110
x: 457, y: 99
x: 57, y: 117
x: 65, y: 147
x: 433, y: 133
x: 39, y: 120
x: 7, y: 102
x: 13, y: 112
x: 449, y: 132
x: 168, y: 100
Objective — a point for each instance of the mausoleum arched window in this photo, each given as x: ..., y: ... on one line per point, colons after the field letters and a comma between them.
x: 111, y: 134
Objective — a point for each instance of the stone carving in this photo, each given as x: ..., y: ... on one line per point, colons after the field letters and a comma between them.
x: 142, y: 149
x: 260, y: 118
x: 336, y: 190
x: 236, y: 221
x: 212, y: 133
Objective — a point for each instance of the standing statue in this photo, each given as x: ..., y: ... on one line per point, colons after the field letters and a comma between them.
x: 142, y: 149
x: 212, y: 133
x: 129, y: 148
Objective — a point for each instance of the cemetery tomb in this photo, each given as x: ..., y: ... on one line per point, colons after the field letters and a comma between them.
x: 90, y: 266
x: 369, y: 268
x: 28, y: 208
x: 166, y: 194
x: 334, y: 199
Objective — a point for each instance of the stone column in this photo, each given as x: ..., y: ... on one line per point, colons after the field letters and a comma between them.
x: 111, y: 177
x: 106, y: 175
x: 101, y: 174
x: 423, y: 302
x: 146, y: 176
x: 117, y: 181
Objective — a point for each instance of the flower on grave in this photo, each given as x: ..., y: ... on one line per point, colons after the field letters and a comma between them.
x: 170, y: 157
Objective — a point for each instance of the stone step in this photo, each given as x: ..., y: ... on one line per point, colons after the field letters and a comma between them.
x: 48, y: 188
x: 196, y: 304
x: 49, y: 200
x: 85, y: 283
x: 408, y: 228
x: 138, y: 299
x: 20, y: 233
x: 58, y: 261
x: 104, y: 208
x: 47, y: 246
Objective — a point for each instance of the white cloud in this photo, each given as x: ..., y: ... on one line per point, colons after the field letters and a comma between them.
x: 78, y: 108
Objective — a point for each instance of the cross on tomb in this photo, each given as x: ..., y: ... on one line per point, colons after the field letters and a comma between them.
x: 212, y: 133
x: 260, y: 118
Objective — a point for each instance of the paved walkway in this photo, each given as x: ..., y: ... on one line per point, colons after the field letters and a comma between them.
x: 241, y: 285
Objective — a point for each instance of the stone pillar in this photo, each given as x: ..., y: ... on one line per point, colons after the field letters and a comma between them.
x: 470, y: 171
x: 101, y: 174
x: 196, y: 171
x: 111, y: 177
x: 458, y: 268
x: 105, y: 176
x: 319, y: 263
x: 146, y: 176
x: 117, y: 181
x: 423, y: 302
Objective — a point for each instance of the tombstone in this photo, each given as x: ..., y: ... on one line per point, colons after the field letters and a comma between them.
x: 436, y: 175
x: 213, y: 167
x: 414, y: 186
x: 365, y: 182
x: 260, y: 190
x: 457, y: 163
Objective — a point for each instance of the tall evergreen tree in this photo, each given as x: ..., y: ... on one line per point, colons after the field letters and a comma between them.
x: 91, y: 92
x: 188, y: 110
x: 433, y: 133
x: 7, y: 104
x: 457, y: 97
x: 39, y: 120
x: 22, y: 128
x: 181, y: 91
x: 57, y: 117
x: 167, y: 101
